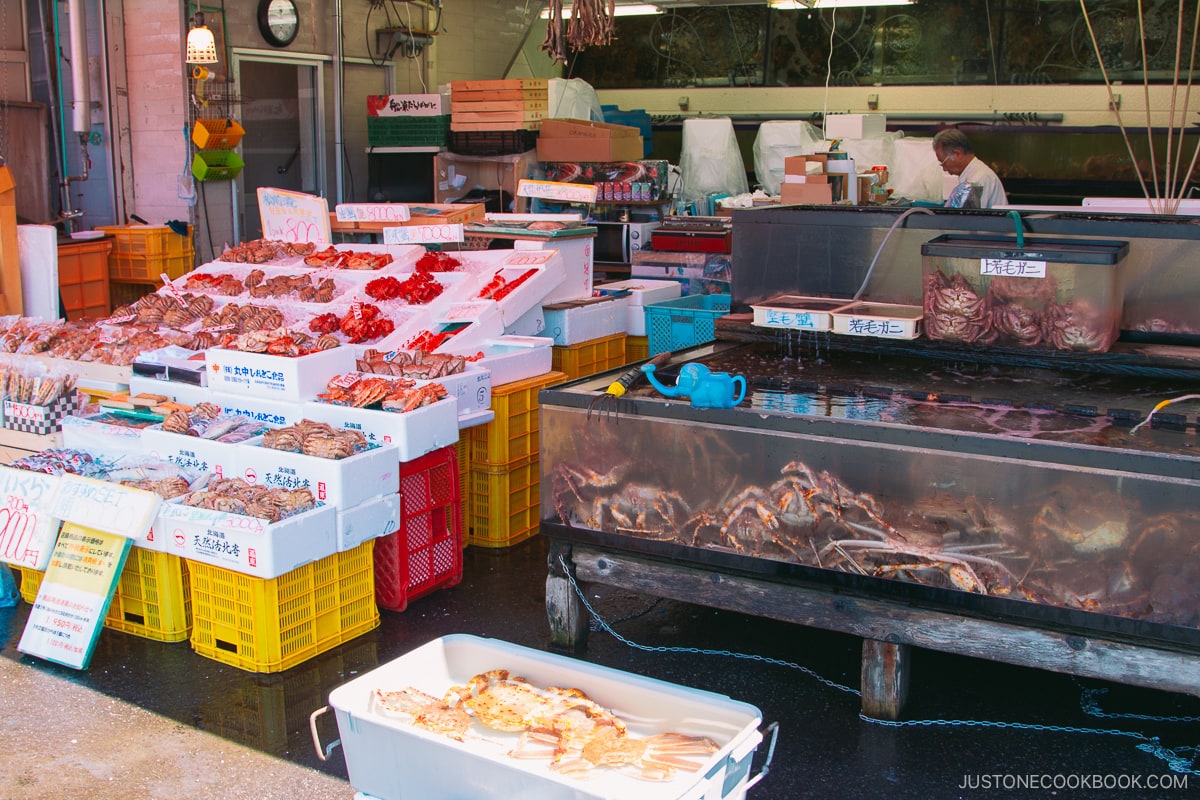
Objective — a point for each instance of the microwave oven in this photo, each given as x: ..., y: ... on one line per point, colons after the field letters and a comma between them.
x: 616, y: 242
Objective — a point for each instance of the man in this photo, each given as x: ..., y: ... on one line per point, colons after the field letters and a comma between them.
x: 956, y: 156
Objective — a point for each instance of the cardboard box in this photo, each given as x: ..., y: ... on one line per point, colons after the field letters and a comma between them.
x: 409, y: 435
x: 799, y: 165
x: 342, y: 482
x: 583, y: 320
x: 542, y: 84
x: 855, y: 126
x: 248, y: 545
x: 551, y: 148
x: 369, y: 520
x: 277, y: 377
x: 805, y: 193
x: 586, y: 129
x: 457, y: 175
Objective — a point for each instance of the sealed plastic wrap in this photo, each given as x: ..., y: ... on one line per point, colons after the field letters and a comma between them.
x: 914, y: 172
x: 573, y: 98
x: 710, y: 160
x: 778, y: 139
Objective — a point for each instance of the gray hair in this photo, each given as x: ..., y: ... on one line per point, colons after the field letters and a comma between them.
x: 953, y: 139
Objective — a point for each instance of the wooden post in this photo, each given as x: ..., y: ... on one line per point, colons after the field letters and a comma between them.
x: 885, y: 668
x: 10, y: 268
x: 566, y: 614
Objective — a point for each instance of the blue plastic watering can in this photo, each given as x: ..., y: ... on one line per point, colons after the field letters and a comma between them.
x: 705, y: 389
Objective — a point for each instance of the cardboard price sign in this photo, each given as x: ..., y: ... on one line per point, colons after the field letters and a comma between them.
x: 109, y: 507
x: 74, y: 595
x: 555, y: 190
x: 372, y: 212
x: 423, y: 234
x: 27, y: 527
x: 293, y: 216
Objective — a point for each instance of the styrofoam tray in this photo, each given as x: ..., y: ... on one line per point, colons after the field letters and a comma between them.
x: 515, y: 358
x: 884, y: 320
x: 795, y: 312
x: 389, y: 758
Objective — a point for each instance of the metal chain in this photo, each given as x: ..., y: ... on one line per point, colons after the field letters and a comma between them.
x: 1091, y: 706
x: 594, y: 625
x: 1177, y: 759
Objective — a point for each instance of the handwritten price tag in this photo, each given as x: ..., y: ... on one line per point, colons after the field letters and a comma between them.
x: 105, y: 506
x: 529, y: 258
x: 293, y: 216
x: 372, y: 212
x: 423, y: 234
x: 1012, y: 268
x: 554, y: 190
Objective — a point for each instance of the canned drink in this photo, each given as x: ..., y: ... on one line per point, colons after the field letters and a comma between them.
x: 608, y: 190
x: 626, y: 191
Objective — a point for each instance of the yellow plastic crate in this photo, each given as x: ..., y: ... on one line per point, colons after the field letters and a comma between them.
x: 637, y: 348
x: 590, y: 357
x: 153, y: 599
x: 273, y: 624
x: 141, y: 253
x: 513, y: 434
x: 505, y: 505
x: 464, y: 480
x: 217, y: 134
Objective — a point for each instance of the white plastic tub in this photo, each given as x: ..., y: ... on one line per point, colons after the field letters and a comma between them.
x: 389, y: 758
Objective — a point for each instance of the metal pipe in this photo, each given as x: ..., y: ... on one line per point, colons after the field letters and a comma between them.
x: 338, y: 75
x: 81, y: 88
x: 1025, y: 117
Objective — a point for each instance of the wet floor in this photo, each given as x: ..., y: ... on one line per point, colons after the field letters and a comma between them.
x: 976, y: 728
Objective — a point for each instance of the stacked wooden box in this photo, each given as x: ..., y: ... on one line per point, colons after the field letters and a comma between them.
x: 499, y: 105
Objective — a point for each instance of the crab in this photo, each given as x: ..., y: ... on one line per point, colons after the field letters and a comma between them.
x: 1078, y: 325
x: 953, y: 309
x: 643, y: 510
x: 499, y: 700
x: 1087, y: 523
x: 426, y: 711
x: 1018, y: 322
x: 572, y: 480
x: 656, y: 758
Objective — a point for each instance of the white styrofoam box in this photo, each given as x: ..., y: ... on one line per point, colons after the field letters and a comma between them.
x: 577, y: 253
x: 101, y: 439
x: 475, y: 418
x: 531, y: 323
x: 390, y: 758
x: 855, y: 126
x: 472, y: 388
x: 483, y: 321
x: 342, y: 482
x: 370, y: 520
x: 515, y: 358
x: 176, y: 390
x: 549, y: 273
x: 885, y: 320
x: 199, y: 455
x: 247, y: 544
x: 642, y: 292
x: 267, y: 410
x: 794, y: 312
x: 594, y: 319
x: 413, y: 433
x: 279, y: 377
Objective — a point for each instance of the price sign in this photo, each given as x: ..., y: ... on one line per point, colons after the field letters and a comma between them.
x: 105, y: 506
x: 172, y: 290
x: 423, y: 234
x: 27, y: 528
x: 529, y: 258
x: 1012, y: 268
x: 555, y: 190
x: 372, y: 212
x: 74, y: 595
x: 293, y: 216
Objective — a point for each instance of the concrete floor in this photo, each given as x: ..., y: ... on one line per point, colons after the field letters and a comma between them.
x: 155, y: 721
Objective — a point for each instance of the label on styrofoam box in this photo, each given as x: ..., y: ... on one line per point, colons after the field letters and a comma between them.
x: 472, y: 388
x: 341, y: 482
x: 584, y: 320
x: 28, y: 526
x: 193, y: 453
x: 549, y: 272
x: 276, y: 413
x: 244, y: 544
x: 278, y: 377
x: 405, y: 105
x: 177, y: 391
x: 369, y: 520
x: 515, y: 358
x: 105, y: 506
x: 412, y: 434
x: 101, y: 439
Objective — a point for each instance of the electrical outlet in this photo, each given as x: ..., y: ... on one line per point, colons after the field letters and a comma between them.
x: 684, y: 103
x: 1114, y: 102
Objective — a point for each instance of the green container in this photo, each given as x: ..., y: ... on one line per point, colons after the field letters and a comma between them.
x: 408, y: 131
x: 216, y: 165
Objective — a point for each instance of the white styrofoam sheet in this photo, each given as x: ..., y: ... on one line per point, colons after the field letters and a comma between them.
x: 642, y: 292
x: 377, y: 517
x: 389, y: 758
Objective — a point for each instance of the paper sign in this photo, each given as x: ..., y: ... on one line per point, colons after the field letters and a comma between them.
x: 466, y: 311
x: 529, y: 258
x: 372, y: 212
x: 27, y: 528
x: 293, y: 216
x: 1012, y: 267
x: 554, y: 190
x: 423, y: 234
x: 109, y: 507
x: 74, y: 595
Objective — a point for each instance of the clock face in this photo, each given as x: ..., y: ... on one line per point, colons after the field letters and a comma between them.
x: 278, y: 21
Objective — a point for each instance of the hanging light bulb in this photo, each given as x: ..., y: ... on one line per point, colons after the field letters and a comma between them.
x: 201, y: 44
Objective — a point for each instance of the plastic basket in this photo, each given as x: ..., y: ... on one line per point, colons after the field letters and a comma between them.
x: 637, y: 348
x: 492, y: 143
x: 217, y: 134
x: 152, y: 600
x: 83, y: 278
x: 590, y: 357
x: 408, y: 131
x: 684, y: 321
x: 141, y: 253
x: 269, y: 625
x: 505, y: 506
x: 426, y: 552
x: 464, y: 469
x: 216, y: 165
x: 513, y: 434
x: 126, y: 294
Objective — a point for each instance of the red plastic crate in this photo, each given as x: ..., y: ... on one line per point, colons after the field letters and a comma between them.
x: 426, y: 552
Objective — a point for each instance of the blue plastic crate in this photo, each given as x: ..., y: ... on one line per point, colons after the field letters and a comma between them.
x: 684, y: 322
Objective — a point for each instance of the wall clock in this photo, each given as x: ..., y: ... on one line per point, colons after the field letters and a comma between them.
x: 278, y: 21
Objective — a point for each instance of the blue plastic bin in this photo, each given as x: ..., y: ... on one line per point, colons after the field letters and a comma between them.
x: 684, y: 322
x: 637, y: 118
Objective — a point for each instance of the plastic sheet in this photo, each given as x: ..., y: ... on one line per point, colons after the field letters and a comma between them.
x: 777, y: 140
x: 710, y: 160
x: 574, y: 98
x: 37, y: 254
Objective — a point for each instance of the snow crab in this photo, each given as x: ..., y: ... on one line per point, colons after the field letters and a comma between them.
x: 656, y: 758
x: 426, y: 711
x: 1094, y: 522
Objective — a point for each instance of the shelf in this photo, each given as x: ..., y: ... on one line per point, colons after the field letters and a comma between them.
x: 415, y: 149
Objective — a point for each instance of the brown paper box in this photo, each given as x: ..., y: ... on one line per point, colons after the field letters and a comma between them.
x: 585, y: 129
x: 624, y: 148
x: 805, y: 193
x: 798, y: 165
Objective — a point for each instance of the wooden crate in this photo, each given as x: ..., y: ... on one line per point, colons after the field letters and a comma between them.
x: 442, y: 214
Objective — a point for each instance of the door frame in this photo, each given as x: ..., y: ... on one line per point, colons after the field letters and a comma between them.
x: 317, y: 137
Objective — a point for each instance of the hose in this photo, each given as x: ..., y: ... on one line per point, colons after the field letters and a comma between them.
x: 867, y: 278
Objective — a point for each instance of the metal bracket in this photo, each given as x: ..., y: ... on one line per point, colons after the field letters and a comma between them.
x: 407, y: 40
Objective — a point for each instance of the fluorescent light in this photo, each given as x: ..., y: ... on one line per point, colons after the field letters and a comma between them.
x: 631, y: 10
x: 801, y: 5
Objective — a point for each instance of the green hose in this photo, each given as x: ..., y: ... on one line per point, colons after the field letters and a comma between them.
x: 1016, y: 218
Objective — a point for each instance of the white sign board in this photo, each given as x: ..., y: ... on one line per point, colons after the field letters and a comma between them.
x: 293, y: 216
x: 27, y: 527
x: 554, y: 190
x: 106, y: 506
x: 372, y: 212
x: 423, y: 234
